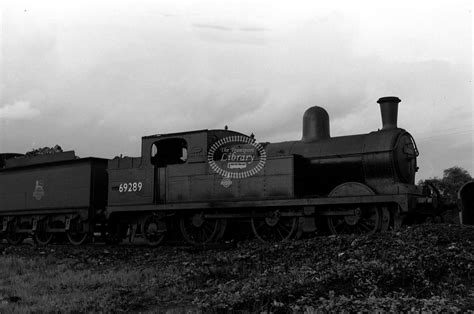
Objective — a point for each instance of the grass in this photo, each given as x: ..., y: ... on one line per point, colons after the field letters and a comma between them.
x: 427, y: 268
x: 34, y: 285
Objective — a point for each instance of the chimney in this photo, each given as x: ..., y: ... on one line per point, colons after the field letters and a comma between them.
x: 389, y: 111
x: 315, y: 124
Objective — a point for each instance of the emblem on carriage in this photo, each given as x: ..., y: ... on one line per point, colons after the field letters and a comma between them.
x: 236, y: 157
x: 38, y: 193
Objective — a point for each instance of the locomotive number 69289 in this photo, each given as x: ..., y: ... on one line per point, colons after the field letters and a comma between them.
x: 130, y: 187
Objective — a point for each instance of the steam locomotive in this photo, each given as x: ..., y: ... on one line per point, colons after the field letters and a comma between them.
x: 196, y: 183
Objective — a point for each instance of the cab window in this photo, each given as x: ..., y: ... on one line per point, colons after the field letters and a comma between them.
x: 169, y: 152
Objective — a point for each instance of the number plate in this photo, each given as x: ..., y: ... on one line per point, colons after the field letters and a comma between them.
x: 129, y: 187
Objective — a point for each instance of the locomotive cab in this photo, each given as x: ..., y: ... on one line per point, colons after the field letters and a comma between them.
x: 168, y: 152
x: 172, y: 167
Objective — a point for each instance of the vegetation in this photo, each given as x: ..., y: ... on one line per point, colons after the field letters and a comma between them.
x: 428, y: 267
x: 448, y: 186
x: 44, y: 151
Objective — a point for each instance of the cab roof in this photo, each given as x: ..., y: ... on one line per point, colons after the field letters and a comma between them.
x: 210, y: 132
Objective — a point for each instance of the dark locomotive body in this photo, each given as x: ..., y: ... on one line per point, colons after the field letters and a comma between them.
x: 358, y: 183
x: 58, y: 192
x: 385, y: 160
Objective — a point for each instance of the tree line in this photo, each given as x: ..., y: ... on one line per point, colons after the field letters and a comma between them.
x: 449, y: 185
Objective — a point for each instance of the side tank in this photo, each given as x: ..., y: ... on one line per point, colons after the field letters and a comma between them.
x: 385, y: 159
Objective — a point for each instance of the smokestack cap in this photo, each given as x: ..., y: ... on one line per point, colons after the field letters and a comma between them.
x: 389, y: 111
x: 388, y: 99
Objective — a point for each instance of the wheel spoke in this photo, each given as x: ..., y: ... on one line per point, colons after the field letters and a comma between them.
x: 75, y: 234
x: 285, y: 229
x: 207, y: 227
x: 344, y: 228
x: 152, y: 230
x: 204, y: 234
x: 196, y: 229
x: 261, y: 225
x: 12, y: 236
x: 366, y: 224
x: 274, y: 229
x: 41, y: 236
x: 363, y: 225
x: 281, y: 236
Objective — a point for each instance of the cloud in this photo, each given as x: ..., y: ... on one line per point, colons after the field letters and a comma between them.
x: 215, y: 27
x: 252, y: 29
x: 115, y: 75
x: 19, y: 110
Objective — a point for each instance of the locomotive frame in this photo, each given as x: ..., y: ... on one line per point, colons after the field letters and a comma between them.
x: 358, y: 183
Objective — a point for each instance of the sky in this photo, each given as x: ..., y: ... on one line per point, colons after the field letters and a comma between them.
x: 96, y: 76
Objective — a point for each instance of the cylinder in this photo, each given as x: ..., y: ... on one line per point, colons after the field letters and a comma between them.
x: 315, y: 124
x: 389, y: 111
